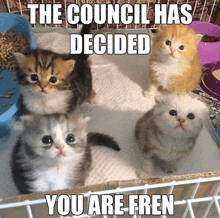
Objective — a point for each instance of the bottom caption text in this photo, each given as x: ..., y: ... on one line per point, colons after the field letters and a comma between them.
x: 110, y: 204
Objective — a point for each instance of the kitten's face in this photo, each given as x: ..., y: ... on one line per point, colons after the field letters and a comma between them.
x: 176, y: 42
x: 43, y: 72
x: 180, y: 115
x: 55, y: 136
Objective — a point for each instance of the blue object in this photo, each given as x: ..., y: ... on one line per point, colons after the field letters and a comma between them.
x: 8, y: 106
x: 218, y: 131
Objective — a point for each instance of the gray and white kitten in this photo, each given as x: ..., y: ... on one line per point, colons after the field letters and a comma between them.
x: 54, y: 154
x: 169, y: 131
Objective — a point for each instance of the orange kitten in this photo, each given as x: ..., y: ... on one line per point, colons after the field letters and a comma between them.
x: 175, y: 65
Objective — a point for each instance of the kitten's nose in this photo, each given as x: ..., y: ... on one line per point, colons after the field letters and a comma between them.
x: 60, y: 146
x: 171, y: 52
x: 181, y: 120
x: 43, y: 87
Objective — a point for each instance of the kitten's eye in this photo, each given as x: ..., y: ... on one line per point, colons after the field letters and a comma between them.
x: 173, y: 112
x: 168, y: 42
x: 34, y: 77
x: 181, y: 47
x: 70, y: 139
x: 191, y: 116
x: 47, y: 140
x: 53, y: 79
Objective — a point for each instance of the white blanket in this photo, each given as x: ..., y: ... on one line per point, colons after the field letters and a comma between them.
x: 118, y: 82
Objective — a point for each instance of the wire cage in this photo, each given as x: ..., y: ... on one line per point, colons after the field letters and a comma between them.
x: 195, y: 195
x: 202, y: 10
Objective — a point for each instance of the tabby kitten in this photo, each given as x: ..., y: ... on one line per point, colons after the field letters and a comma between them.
x: 169, y: 131
x: 53, y: 83
x: 55, y: 154
x: 174, y: 65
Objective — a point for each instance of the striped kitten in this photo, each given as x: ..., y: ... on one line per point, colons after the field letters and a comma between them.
x: 53, y: 83
x: 169, y: 131
x: 55, y: 154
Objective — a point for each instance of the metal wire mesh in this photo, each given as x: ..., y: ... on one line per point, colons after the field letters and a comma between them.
x: 211, y: 198
x: 203, y: 10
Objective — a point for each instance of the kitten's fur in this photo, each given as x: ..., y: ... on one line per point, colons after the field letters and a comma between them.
x: 40, y: 167
x: 171, y: 69
x: 167, y: 138
x: 73, y: 86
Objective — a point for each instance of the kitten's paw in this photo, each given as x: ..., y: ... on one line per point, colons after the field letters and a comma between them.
x: 170, y: 168
x: 147, y: 169
x: 149, y: 95
x: 142, y: 174
x: 94, y: 98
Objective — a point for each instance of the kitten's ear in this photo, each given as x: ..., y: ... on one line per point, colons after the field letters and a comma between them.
x: 65, y: 66
x: 158, y: 99
x: 69, y: 64
x: 198, y: 37
x: 21, y: 58
x: 206, y: 106
x: 83, y: 120
x: 86, y: 119
x: 160, y: 28
x: 26, y: 118
x: 20, y: 124
x: 210, y: 128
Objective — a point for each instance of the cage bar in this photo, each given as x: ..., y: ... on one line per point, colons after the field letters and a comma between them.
x: 211, y: 202
x: 171, y: 185
x: 192, y: 197
x: 195, y: 3
x: 29, y: 211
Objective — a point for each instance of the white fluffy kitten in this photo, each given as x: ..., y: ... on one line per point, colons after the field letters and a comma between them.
x: 169, y: 131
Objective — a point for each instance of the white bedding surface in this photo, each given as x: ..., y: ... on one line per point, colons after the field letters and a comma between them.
x: 118, y: 82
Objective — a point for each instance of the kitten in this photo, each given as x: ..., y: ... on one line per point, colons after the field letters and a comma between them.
x: 168, y: 132
x: 53, y: 83
x: 55, y: 154
x: 174, y: 64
